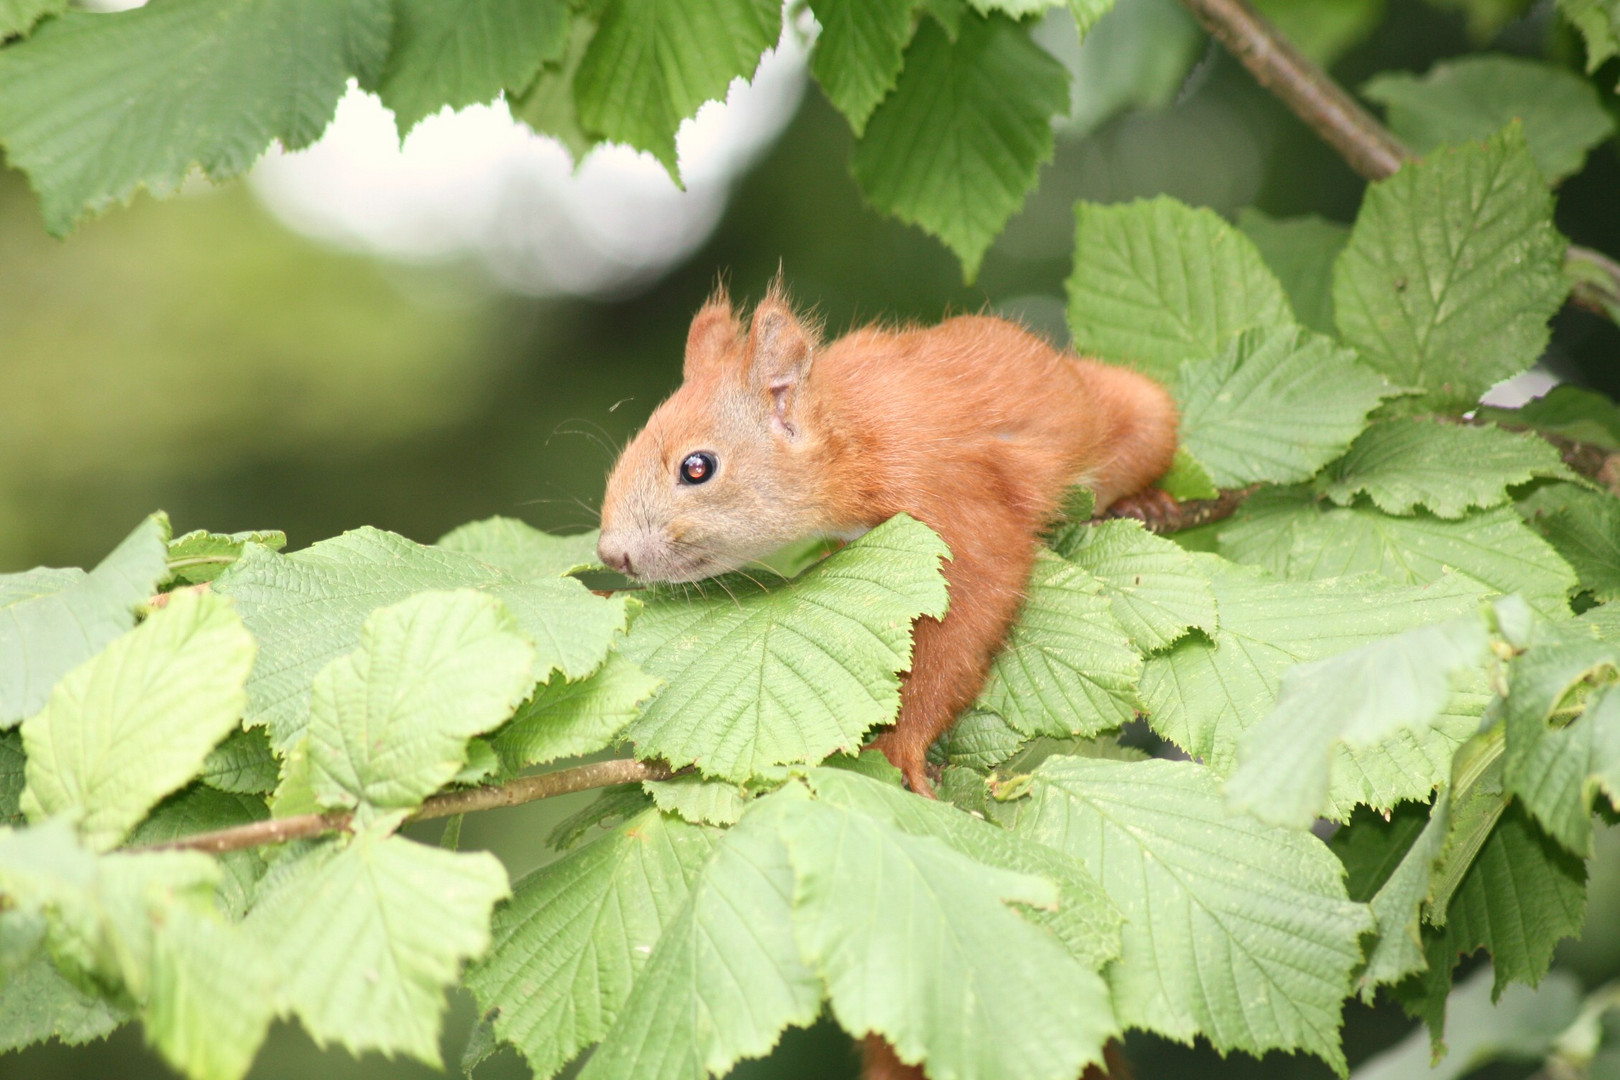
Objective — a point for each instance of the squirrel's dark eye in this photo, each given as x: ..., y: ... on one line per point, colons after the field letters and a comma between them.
x: 697, y: 468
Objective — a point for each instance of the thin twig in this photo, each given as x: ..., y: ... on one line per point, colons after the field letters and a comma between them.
x: 513, y: 793
x: 1364, y: 143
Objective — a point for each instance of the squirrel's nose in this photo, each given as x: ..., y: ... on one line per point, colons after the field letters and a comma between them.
x: 613, y: 553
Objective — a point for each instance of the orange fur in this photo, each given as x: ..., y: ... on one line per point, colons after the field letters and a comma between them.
x: 975, y: 427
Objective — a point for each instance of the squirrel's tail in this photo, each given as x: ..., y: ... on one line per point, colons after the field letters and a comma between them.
x: 880, y: 1063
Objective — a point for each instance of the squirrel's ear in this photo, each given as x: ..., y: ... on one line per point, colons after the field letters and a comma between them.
x: 714, y: 334
x: 779, y: 353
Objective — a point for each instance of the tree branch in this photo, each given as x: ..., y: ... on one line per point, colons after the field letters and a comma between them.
x: 1364, y: 143
x: 513, y: 793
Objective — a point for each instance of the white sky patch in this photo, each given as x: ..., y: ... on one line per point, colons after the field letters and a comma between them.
x: 479, y: 184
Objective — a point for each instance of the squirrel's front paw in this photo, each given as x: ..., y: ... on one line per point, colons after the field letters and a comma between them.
x: 1150, y: 506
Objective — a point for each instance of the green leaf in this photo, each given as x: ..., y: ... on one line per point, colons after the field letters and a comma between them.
x: 566, y: 719
x: 522, y: 550
x: 145, y: 926
x: 1556, y: 762
x: 1136, y: 57
x: 1383, y: 692
x: 1584, y: 527
x: 1300, y: 538
x: 859, y: 52
x: 1156, y: 282
x: 13, y: 776
x: 1517, y: 1024
x: 1083, y: 919
x: 1471, y: 99
x: 466, y: 52
x: 130, y: 726
x: 957, y: 145
x: 368, y: 934
x: 1301, y: 252
x: 1571, y: 411
x: 1203, y: 694
x: 1412, y: 841
x: 725, y: 977
x: 201, y: 556
x: 197, y: 809
x: 307, y: 608
x: 547, y: 105
x: 1448, y: 468
x: 1452, y: 272
x: 942, y: 969
x: 37, y: 1002
x: 1068, y: 667
x: 826, y: 646
x: 1152, y: 585
x: 568, y: 946
x: 700, y: 801
x: 1519, y: 897
x: 17, y: 17
x: 1234, y: 930
x: 982, y: 740
x: 52, y: 620
x: 653, y: 62
x: 1277, y: 404
x: 612, y: 806
x: 1187, y: 479
x: 243, y: 763
x: 1599, y: 23
x: 94, y: 106
x: 389, y: 723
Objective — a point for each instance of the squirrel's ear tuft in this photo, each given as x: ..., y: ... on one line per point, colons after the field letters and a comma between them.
x: 714, y: 335
x: 780, y: 348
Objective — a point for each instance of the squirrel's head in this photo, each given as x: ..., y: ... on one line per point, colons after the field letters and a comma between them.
x: 733, y: 465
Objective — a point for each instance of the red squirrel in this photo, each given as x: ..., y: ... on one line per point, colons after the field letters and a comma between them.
x: 976, y: 427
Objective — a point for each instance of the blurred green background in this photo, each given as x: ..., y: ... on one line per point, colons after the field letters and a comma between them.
x: 199, y: 356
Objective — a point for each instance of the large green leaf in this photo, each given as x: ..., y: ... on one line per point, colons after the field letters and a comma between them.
x: 1275, y: 405
x: 1584, y: 526
x: 94, y: 106
x: 1068, y: 667
x: 725, y: 977
x: 13, y: 776
x: 651, y: 64
x: 1452, y: 272
x: 859, y: 52
x: 1448, y: 468
x: 1153, y: 587
x: 565, y: 719
x: 389, y: 723
x: 52, y: 620
x: 1361, y: 699
x: 522, y: 550
x: 570, y: 943
x: 795, y: 672
x: 1299, y: 537
x: 1472, y: 98
x: 307, y: 608
x: 956, y: 146
x: 368, y: 934
x: 1157, y: 282
x: 130, y: 726
x: 1235, y: 930
x: 940, y: 967
x: 1205, y: 693
x: 466, y: 52
x: 243, y: 763
x: 548, y: 105
x: 1300, y: 251
x: 1083, y: 918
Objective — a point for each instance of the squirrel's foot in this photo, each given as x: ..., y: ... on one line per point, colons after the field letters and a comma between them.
x: 1150, y: 506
